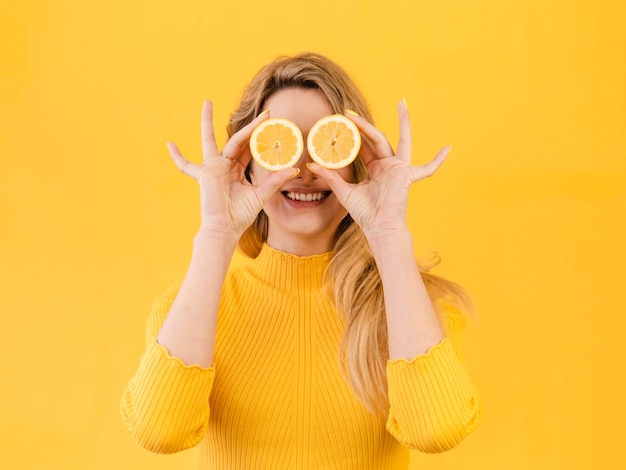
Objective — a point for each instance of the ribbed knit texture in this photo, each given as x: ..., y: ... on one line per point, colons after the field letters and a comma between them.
x: 275, y: 398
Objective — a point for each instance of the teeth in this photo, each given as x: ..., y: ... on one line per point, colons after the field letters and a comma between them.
x: 305, y: 197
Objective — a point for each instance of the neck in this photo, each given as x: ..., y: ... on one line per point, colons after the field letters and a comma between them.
x: 302, y: 245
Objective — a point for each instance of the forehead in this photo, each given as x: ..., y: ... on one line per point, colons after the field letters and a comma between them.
x: 304, y: 106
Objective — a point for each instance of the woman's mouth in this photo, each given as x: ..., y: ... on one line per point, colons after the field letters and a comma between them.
x: 306, y: 197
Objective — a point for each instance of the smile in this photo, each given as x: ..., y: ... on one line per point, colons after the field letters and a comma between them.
x: 308, y: 197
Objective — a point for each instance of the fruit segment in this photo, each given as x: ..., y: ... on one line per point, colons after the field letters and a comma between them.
x: 334, y: 141
x: 276, y: 143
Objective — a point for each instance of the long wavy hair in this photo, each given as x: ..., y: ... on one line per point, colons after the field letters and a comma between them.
x: 353, y: 280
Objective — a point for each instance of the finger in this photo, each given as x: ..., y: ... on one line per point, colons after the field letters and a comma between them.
x: 404, y: 142
x: 380, y: 146
x: 209, y: 146
x: 367, y: 152
x: 420, y: 172
x: 181, y: 162
x: 236, y: 146
x: 275, y: 181
x: 340, y: 187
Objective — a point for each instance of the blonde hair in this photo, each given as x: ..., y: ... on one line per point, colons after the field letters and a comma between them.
x: 353, y: 279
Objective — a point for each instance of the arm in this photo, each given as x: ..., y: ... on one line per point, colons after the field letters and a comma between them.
x: 188, y: 332
x: 378, y: 205
x: 166, y: 403
x: 229, y: 205
x: 412, y: 324
x: 433, y: 404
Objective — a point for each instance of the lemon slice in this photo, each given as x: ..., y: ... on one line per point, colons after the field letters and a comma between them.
x: 276, y: 143
x: 334, y: 141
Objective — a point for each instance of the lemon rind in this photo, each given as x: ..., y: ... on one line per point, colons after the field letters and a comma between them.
x: 342, y: 163
x: 299, y: 143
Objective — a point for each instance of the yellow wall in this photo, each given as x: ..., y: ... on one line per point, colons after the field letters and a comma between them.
x: 528, y: 212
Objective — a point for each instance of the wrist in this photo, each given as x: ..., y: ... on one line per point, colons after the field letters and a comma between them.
x: 383, y: 238
x: 218, y: 239
x: 389, y: 246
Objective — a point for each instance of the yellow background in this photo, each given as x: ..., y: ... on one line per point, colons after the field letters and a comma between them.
x: 528, y: 212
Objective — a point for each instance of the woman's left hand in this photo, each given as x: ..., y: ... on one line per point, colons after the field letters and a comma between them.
x: 378, y: 204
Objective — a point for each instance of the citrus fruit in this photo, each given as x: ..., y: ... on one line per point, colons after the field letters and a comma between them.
x: 276, y: 143
x: 334, y: 141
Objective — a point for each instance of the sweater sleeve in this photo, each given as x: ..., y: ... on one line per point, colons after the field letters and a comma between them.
x: 166, y: 404
x: 433, y: 404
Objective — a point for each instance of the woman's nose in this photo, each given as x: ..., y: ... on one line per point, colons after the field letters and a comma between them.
x: 305, y: 173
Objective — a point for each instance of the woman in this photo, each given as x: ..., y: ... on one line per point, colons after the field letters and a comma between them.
x: 331, y: 349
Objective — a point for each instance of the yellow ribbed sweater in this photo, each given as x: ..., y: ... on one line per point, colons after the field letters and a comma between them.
x: 275, y: 398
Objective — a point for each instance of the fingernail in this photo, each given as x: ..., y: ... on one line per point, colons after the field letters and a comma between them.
x: 296, y: 173
x: 308, y: 165
x: 404, y: 103
x: 349, y: 111
x: 263, y: 112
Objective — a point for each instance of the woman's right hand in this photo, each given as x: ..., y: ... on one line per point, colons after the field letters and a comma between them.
x: 229, y: 203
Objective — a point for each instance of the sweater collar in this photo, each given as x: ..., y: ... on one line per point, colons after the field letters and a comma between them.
x: 290, y: 271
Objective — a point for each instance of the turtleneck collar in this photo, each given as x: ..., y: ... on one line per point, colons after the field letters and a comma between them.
x: 286, y: 270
